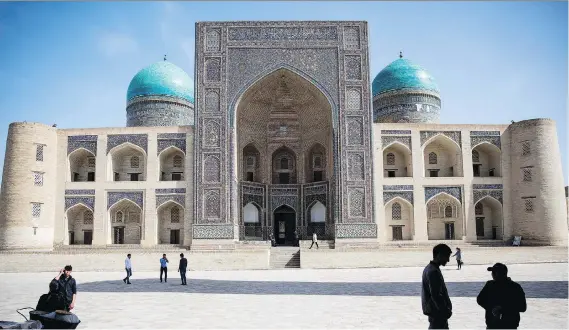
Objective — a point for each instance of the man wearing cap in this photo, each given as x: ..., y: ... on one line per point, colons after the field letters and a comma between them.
x: 503, y: 300
x: 434, y: 295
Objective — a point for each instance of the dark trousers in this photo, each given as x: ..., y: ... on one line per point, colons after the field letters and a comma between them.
x: 459, y: 262
x: 438, y: 323
x: 165, y: 271
x: 183, y: 276
x: 313, y: 242
x: 128, y: 275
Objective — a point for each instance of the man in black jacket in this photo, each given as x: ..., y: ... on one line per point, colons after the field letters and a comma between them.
x: 503, y: 300
x: 434, y: 295
x: 67, y: 286
x: 182, y: 268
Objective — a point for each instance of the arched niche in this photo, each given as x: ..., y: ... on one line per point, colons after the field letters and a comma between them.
x: 284, y: 167
x: 444, y: 218
x: 170, y: 223
x: 489, y: 219
x: 126, y: 223
x: 486, y: 160
x: 127, y: 163
x: 397, y: 161
x: 442, y: 157
x: 81, y: 166
x: 251, y: 164
x: 399, y: 220
x: 79, y: 225
x: 172, y: 164
x: 316, y: 161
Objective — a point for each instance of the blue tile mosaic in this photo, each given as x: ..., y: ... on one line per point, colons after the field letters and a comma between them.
x: 395, y: 132
x: 212, y: 231
x: 80, y: 192
x: 161, y: 199
x: 484, y: 133
x: 165, y: 144
x: 487, y: 186
x: 453, y: 135
x: 430, y: 192
x: 163, y: 79
x: 136, y: 197
x: 387, y: 140
x: 403, y: 74
x: 88, y: 142
x: 114, y: 140
x: 495, y: 140
x: 480, y: 194
x: 356, y: 230
x: 400, y: 187
x: 172, y: 136
x: 171, y: 191
x: 88, y: 201
x: 390, y: 195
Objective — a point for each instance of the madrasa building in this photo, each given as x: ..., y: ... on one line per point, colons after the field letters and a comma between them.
x: 281, y: 133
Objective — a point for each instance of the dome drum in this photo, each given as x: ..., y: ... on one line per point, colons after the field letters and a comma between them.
x: 159, y: 111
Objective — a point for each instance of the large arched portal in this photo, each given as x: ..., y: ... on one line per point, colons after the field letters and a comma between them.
x: 284, y: 140
x: 79, y: 225
x: 489, y: 220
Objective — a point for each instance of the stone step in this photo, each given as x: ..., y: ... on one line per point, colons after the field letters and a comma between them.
x: 284, y: 257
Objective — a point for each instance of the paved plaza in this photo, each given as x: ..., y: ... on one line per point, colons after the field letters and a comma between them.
x: 341, y: 298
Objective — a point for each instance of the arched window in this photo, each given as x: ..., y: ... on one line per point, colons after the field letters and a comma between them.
x: 177, y: 161
x: 479, y: 209
x: 284, y: 163
x: 432, y: 158
x: 390, y: 159
x: 396, y: 211
x: 88, y: 217
x: 448, y: 211
x: 134, y: 162
x: 475, y: 156
x: 175, y: 215
x: 119, y: 216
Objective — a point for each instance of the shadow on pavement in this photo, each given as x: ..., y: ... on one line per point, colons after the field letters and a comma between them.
x: 533, y: 289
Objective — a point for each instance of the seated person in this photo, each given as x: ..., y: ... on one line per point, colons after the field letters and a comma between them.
x: 51, y: 301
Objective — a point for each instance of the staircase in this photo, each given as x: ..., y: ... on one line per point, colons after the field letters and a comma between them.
x: 285, y: 257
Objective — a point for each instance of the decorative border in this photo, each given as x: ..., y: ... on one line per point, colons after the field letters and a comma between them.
x: 430, y: 192
x: 136, y: 197
x: 171, y: 191
x: 212, y: 231
x: 496, y: 194
x: 395, y: 132
x: 179, y: 198
x: 487, y: 186
x: 495, y: 140
x: 88, y: 201
x: 171, y: 136
x: 88, y: 142
x: 397, y: 188
x: 166, y: 140
x: 140, y: 140
x: 485, y: 133
x: 386, y: 140
x: 80, y: 192
x: 453, y: 135
x: 356, y: 230
x: 388, y: 196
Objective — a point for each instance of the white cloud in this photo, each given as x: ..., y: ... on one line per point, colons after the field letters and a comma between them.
x: 112, y: 44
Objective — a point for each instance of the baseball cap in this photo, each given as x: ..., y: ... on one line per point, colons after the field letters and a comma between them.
x: 498, y: 268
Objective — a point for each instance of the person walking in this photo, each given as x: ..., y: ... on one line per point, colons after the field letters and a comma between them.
x: 458, y: 255
x: 434, y: 295
x: 182, y: 268
x: 164, y: 268
x: 503, y: 299
x: 128, y: 268
x: 66, y: 285
x: 314, y: 241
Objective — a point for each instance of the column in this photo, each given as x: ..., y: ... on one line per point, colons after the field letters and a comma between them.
x: 150, y: 225
x: 101, y: 222
x: 469, y: 218
x: 419, y: 206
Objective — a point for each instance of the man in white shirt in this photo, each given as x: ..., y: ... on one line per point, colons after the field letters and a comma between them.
x: 128, y: 268
x: 314, y: 241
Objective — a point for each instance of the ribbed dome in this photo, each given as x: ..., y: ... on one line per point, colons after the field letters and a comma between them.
x: 161, y: 79
x: 403, y: 74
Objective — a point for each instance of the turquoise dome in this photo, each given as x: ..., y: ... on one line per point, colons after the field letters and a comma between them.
x: 403, y: 74
x: 161, y: 79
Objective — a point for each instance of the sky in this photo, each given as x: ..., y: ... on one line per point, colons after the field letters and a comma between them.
x: 70, y: 63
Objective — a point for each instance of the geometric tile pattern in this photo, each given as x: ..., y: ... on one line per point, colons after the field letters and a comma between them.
x: 136, y: 197
x: 88, y: 201
x: 140, y: 140
x: 88, y: 142
x: 171, y: 140
x: 433, y: 191
x: 360, y: 230
x: 80, y: 192
x: 212, y: 232
x: 395, y: 132
x: 453, y: 135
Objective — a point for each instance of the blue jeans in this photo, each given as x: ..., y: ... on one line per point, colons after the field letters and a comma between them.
x: 128, y: 274
x: 183, y: 276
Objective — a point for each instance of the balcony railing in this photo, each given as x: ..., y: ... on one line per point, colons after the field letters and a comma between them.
x: 260, y: 233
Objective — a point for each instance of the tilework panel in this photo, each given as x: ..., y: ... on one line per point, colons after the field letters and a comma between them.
x: 389, y: 195
x: 356, y: 230
x: 453, y: 191
x: 88, y: 142
x: 136, y: 197
x: 80, y: 192
x: 484, y: 133
x: 271, y: 33
x: 88, y: 201
x: 178, y: 198
x: 387, y: 140
x: 479, y: 194
x: 171, y: 191
x: 140, y: 140
x: 395, y: 132
x: 171, y: 136
x: 495, y: 140
x: 164, y: 144
x: 406, y: 106
x: 159, y: 111
x: 212, y: 231
x: 487, y: 186
x: 397, y: 188
x: 353, y: 67
x: 453, y: 135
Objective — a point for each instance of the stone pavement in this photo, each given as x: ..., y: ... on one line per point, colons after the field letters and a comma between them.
x: 341, y: 298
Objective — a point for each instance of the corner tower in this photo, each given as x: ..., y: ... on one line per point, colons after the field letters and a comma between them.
x: 161, y: 94
x: 403, y: 92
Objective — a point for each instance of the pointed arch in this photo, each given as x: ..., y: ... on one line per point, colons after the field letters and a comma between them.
x: 172, y: 164
x: 171, y: 222
x: 489, y: 162
x: 119, y: 163
x: 402, y: 227
x: 398, y: 144
x: 79, y: 166
x: 79, y: 221
x: 442, y: 193
x: 448, y: 157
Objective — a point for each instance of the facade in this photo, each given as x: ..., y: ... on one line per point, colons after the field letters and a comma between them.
x: 282, y: 134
